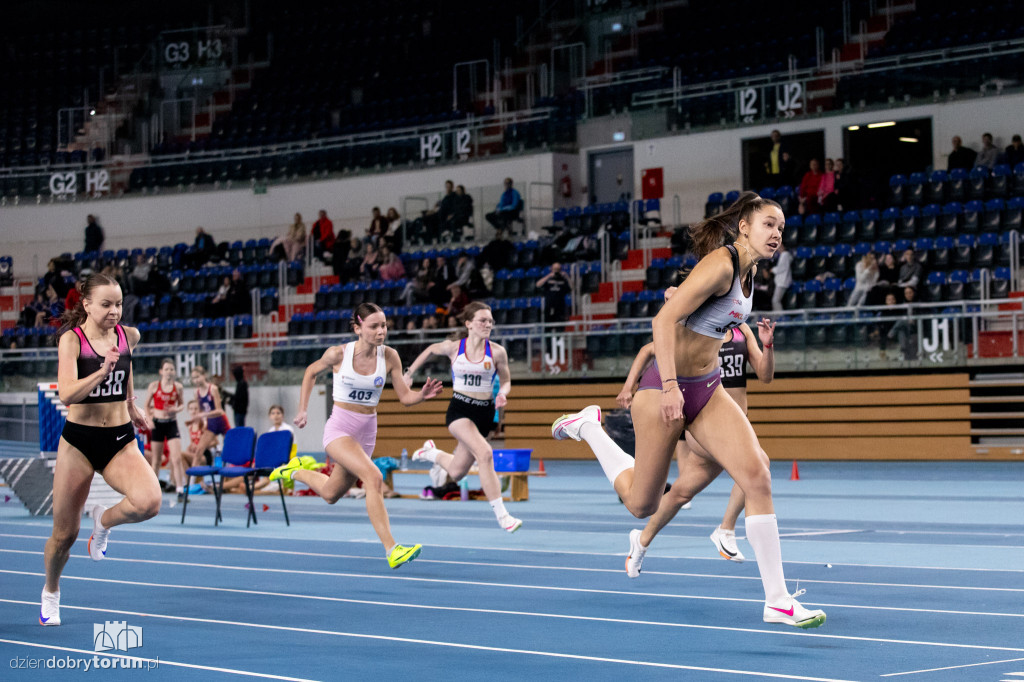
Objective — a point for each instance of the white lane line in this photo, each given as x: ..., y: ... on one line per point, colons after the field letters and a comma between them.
x: 153, y: 530
x: 455, y: 645
x: 821, y: 532
x: 177, y: 664
x: 956, y: 667
x: 615, y: 571
x: 551, y: 588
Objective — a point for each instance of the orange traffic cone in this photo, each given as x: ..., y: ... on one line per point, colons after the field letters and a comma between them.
x: 540, y: 469
x: 795, y: 474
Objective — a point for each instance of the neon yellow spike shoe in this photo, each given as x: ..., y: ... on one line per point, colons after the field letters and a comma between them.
x: 402, y: 555
x: 286, y: 471
x: 310, y: 463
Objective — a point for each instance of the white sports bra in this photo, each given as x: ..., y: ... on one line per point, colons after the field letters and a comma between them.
x: 473, y: 377
x: 359, y: 389
x: 719, y: 314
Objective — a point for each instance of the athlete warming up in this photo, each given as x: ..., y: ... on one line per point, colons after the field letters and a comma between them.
x: 94, y: 380
x: 360, y: 369
x: 685, y: 390
x: 164, y: 401
x: 471, y: 411
x: 739, y: 347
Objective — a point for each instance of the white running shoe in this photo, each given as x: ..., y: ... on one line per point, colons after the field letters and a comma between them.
x: 569, y: 425
x: 635, y: 559
x: 725, y: 543
x: 427, y: 453
x: 793, y: 613
x: 49, y: 611
x: 510, y: 523
x: 98, y: 540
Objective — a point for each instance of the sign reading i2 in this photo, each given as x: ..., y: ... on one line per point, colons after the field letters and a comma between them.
x: 748, y: 104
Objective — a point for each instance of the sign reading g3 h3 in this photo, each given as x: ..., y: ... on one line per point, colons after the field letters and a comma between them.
x: 432, y: 145
x: 63, y: 184
x: 184, y: 52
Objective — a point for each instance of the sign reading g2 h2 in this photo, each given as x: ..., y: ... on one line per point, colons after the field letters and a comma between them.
x: 65, y: 183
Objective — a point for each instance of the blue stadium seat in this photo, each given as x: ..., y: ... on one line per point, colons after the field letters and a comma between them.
x: 914, y: 190
x: 928, y: 223
x: 897, y: 185
x: 868, y: 225
x: 1000, y: 285
x: 908, y: 221
x: 936, y: 189
x: 935, y: 287
x: 971, y: 219
x: 992, y: 217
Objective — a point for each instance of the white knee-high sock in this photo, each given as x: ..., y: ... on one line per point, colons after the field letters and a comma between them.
x: 763, y: 535
x: 612, y: 458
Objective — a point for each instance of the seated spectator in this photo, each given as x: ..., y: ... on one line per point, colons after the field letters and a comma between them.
x: 433, y: 219
x: 555, y: 286
x: 497, y: 253
x: 910, y: 271
x: 277, y: 423
x: 219, y: 302
x: 203, y: 249
x: 961, y: 156
x: 881, y: 331
x: 1014, y: 153
x: 809, y: 189
x: 54, y: 308
x: 323, y: 237
x: 866, y: 279
x: 391, y: 268
x: 510, y: 205
x: 989, y: 154
x: 888, y: 274
x: 394, y: 221
x: 904, y: 330
x: 139, y: 280
x: 462, y: 214
x: 416, y: 289
x: 468, y: 277
x: 444, y: 274
x: 457, y: 303
x: 290, y: 246
x: 30, y: 314
x: 239, y: 297
x: 828, y: 181
x: 371, y: 262
x: 764, y: 287
x: 378, y: 228
x: 354, y: 264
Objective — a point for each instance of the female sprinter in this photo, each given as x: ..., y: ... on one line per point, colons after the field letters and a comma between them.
x: 360, y: 368
x: 471, y: 412
x: 94, y: 380
x: 715, y: 297
x: 163, y: 403
x: 210, y: 409
x: 739, y: 347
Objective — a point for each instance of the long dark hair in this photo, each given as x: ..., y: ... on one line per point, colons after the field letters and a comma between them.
x: 467, y: 314
x: 363, y: 311
x: 77, y: 316
x: 714, y: 232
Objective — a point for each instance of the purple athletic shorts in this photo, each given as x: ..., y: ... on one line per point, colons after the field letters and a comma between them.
x: 696, y: 390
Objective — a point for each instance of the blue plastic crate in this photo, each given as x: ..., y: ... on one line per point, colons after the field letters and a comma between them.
x: 512, y: 460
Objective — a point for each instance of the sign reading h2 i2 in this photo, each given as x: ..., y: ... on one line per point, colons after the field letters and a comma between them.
x: 432, y: 147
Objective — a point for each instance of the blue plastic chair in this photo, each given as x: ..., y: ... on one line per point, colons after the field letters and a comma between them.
x: 272, y: 450
x: 237, y: 452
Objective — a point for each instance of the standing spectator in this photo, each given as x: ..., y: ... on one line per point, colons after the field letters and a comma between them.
x: 435, y: 218
x: 93, y: 234
x: 240, y: 402
x: 203, y: 248
x: 773, y: 164
x: 291, y: 245
x: 457, y: 303
x: 391, y: 268
x: 843, y: 196
x: 809, y: 189
x: 508, y: 209
x: 354, y: 263
x: 961, y: 157
x: 394, y: 222
x: 378, y: 228
x: 989, y: 154
x: 323, y: 236
x: 910, y: 271
x: 782, y: 273
x: 555, y: 286
x: 867, y: 277
x: 239, y: 300
x: 1014, y: 153
x: 828, y: 181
